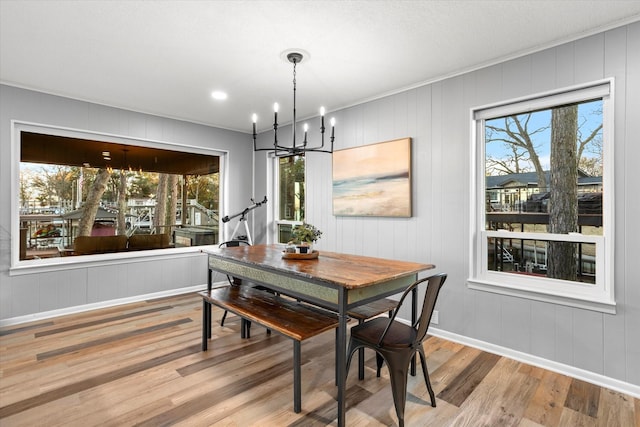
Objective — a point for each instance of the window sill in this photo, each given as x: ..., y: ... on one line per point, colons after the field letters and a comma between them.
x: 84, y: 261
x: 603, y: 305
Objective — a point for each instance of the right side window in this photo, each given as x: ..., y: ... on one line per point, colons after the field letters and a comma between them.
x: 543, y: 206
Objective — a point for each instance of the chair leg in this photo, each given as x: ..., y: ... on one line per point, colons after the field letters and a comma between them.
x: 423, y: 361
x: 224, y: 316
x: 398, y: 371
x: 350, y: 351
x: 361, y: 358
x: 379, y: 363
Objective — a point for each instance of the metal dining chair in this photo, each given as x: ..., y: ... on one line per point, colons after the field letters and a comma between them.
x: 396, y: 343
x: 368, y: 311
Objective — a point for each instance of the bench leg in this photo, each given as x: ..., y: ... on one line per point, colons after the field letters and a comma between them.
x: 209, y: 320
x: 297, y: 400
x: 205, y: 323
x: 245, y: 328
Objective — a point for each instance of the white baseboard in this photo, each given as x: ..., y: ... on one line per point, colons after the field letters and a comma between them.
x: 581, y: 374
x: 94, y: 306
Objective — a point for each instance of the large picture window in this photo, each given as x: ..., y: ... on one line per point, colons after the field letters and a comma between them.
x: 543, y: 201
x: 79, y: 196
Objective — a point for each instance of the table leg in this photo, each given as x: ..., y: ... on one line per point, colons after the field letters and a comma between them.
x: 341, y: 362
x: 205, y: 323
x: 209, y: 286
x: 297, y: 399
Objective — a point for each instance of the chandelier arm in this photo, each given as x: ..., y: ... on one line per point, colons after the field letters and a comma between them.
x: 295, y: 149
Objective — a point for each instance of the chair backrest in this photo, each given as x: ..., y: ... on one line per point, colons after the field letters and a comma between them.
x: 434, y: 283
x: 232, y: 243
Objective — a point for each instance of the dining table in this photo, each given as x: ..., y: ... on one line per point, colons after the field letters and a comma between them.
x: 334, y: 281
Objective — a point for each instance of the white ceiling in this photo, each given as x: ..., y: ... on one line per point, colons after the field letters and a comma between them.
x: 166, y: 57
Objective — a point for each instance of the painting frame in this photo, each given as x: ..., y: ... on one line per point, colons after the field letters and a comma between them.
x: 373, y: 180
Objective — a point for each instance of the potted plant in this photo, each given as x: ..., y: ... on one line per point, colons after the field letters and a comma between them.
x: 304, y: 235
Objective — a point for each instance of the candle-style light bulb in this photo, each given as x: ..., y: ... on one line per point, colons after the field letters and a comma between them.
x: 322, y: 111
x: 333, y: 123
x: 254, y: 118
x: 276, y: 107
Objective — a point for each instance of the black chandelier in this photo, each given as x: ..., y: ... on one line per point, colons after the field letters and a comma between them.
x: 294, y: 149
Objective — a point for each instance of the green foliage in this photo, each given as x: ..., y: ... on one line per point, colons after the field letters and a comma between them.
x: 305, y: 233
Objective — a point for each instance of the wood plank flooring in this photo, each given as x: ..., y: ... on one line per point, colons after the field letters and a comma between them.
x: 141, y: 364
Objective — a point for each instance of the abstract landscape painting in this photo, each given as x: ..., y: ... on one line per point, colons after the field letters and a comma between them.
x: 373, y: 180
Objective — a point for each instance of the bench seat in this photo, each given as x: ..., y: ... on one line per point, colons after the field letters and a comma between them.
x: 288, y: 317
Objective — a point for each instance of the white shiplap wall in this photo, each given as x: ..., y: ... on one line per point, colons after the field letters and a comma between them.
x: 437, y: 118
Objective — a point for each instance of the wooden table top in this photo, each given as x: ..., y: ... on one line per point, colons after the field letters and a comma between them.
x: 348, y: 271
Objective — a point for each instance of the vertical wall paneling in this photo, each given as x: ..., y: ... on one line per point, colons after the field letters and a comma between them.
x: 516, y: 77
x: 589, y: 55
x: 543, y: 323
x: 563, y: 329
x: 628, y: 202
x: 437, y: 117
x: 565, y: 65
x: 615, y: 327
x: 515, y: 328
x: 541, y: 79
x: 588, y: 345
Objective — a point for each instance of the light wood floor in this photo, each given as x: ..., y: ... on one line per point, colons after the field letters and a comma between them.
x: 141, y: 364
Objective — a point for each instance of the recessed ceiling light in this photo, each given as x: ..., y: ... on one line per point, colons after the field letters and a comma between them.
x: 219, y: 95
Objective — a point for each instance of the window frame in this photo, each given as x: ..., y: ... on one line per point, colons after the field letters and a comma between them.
x: 18, y: 267
x: 598, y: 297
x: 275, y: 196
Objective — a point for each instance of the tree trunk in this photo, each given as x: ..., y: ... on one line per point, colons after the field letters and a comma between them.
x: 122, y: 203
x: 173, y: 202
x: 160, y: 216
x: 92, y: 203
x: 563, y: 199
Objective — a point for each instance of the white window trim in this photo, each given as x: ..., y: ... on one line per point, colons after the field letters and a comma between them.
x: 19, y: 267
x: 598, y: 297
x: 274, y: 186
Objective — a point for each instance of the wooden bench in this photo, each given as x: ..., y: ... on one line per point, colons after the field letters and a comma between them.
x: 287, y: 317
